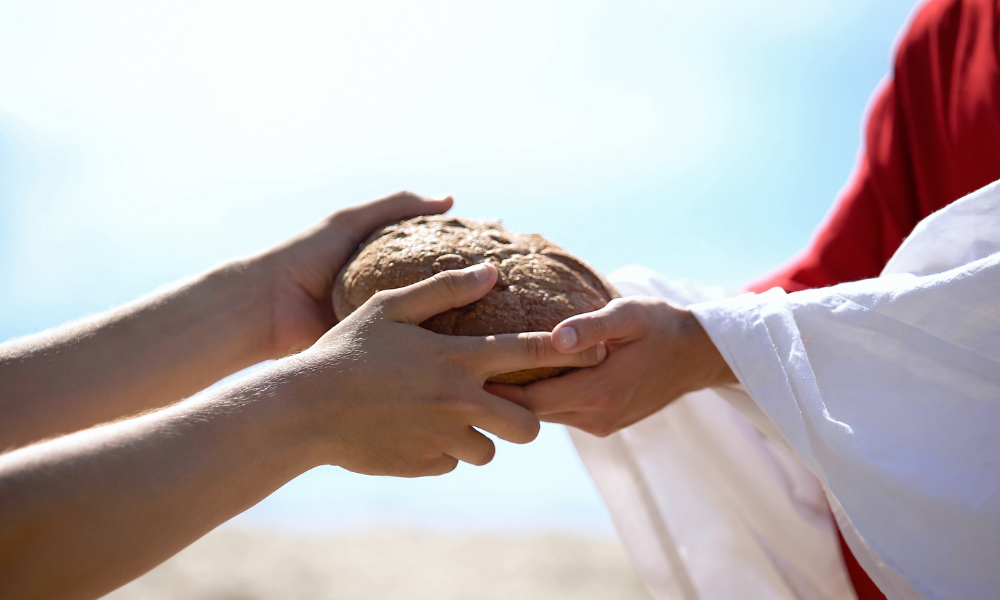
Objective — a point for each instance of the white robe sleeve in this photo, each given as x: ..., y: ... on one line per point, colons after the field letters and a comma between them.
x: 889, y: 391
x: 709, y: 508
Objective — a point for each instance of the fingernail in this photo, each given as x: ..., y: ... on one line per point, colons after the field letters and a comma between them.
x: 441, y: 197
x: 481, y: 271
x: 602, y: 352
x: 566, y: 338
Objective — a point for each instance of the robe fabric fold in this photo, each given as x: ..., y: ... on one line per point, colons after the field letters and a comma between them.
x: 711, y: 503
x: 881, y: 397
x: 889, y: 391
x: 931, y: 136
x: 709, y: 495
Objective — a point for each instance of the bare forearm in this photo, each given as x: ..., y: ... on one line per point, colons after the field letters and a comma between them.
x: 135, y: 358
x: 173, y: 343
x: 88, y: 512
x: 376, y: 394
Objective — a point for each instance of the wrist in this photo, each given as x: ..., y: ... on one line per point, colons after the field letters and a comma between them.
x: 713, y: 370
x: 286, y: 412
x: 294, y: 283
x: 322, y: 394
x: 243, y: 290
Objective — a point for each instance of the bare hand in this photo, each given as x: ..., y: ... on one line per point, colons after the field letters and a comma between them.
x: 166, y: 346
x: 657, y: 352
x: 401, y: 400
x: 84, y: 513
x: 299, y: 273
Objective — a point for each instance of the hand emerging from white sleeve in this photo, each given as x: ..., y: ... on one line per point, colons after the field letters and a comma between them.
x: 657, y: 352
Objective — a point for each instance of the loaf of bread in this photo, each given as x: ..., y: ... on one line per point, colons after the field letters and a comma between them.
x: 539, y: 283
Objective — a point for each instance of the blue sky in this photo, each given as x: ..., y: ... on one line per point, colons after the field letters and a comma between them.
x: 141, y: 142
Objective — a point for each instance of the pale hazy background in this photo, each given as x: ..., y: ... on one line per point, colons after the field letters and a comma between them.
x: 143, y: 141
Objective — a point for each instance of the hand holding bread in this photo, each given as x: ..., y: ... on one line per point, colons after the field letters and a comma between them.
x: 390, y: 398
x: 538, y: 283
x: 297, y: 275
x: 657, y: 352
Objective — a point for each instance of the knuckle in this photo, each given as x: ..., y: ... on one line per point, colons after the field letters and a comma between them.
x: 383, y: 298
x: 534, y: 347
x: 638, y: 310
x: 447, y: 283
x: 605, y: 402
x: 456, y: 404
x: 437, y: 445
x: 631, y: 309
x: 458, y: 356
x: 619, y: 305
x: 594, y: 326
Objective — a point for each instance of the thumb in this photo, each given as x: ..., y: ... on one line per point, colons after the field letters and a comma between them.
x: 449, y: 289
x: 615, y: 321
x: 401, y: 205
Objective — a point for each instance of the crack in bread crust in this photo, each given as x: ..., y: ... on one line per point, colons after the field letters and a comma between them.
x: 539, y: 283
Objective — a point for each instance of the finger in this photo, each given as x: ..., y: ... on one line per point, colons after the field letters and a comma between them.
x: 569, y: 419
x: 401, y: 205
x: 572, y: 392
x: 588, y: 423
x: 473, y: 447
x: 504, y: 419
x: 617, y: 320
x: 449, y: 289
x: 439, y: 466
x: 506, y: 353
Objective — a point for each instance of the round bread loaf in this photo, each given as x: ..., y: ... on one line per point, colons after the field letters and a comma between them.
x: 539, y: 283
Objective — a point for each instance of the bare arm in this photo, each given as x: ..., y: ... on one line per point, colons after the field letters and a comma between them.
x: 167, y: 346
x: 85, y: 513
x: 141, y: 356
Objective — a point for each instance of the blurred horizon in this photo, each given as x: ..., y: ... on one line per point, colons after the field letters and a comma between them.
x: 144, y: 142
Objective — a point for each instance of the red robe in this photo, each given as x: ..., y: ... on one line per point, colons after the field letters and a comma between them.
x: 932, y: 136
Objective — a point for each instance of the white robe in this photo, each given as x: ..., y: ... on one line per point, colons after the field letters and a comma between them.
x: 879, y: 398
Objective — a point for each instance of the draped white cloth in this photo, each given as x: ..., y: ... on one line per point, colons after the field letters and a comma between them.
x: 880, y: 398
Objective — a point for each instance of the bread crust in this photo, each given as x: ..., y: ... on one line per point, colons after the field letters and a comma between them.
x: 539, y: 284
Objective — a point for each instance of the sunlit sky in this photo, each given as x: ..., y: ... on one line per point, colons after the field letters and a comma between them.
x: 144, y: 141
